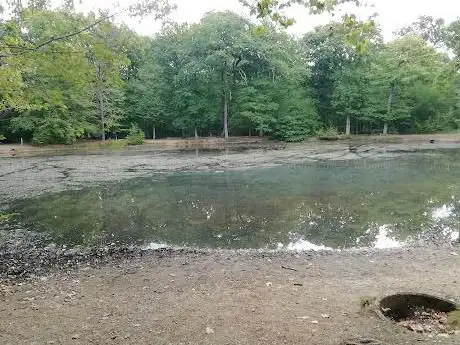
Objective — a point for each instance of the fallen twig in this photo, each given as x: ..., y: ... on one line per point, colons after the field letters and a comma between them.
x: 289, y: 268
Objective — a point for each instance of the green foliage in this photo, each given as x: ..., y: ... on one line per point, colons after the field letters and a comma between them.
x: 54, y: 130
x: 2, y: 137
x: 135, y: 136
x: 180, y: 83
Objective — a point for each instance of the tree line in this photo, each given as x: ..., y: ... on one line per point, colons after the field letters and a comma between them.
x: 223, y: 76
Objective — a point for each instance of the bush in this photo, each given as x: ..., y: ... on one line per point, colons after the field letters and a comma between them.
x: 295, y: 127
x: 54, y: 130
x: 2, y: 137
x: 328, y: 132
x: 135, y: 136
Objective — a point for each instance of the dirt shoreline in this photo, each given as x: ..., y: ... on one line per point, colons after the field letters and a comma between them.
x: 227, y: 297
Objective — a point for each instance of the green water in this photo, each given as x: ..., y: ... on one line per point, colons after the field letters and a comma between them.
x: 366, y: 203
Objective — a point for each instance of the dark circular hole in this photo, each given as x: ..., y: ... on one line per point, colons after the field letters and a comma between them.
x: 403, y: 306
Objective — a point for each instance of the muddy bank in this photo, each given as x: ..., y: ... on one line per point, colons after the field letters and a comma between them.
x: 228, y: 297
x: 28, y: 177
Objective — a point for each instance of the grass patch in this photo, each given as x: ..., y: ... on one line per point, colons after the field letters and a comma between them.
x: 453, y: 319
x: 332, y: 134
x: 115, y: 144
x: 4, y: 217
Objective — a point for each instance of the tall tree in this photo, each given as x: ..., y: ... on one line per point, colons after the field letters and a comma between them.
x: 432, y: 30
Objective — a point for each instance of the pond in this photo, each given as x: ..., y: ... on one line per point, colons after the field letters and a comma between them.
x: 330, y: 205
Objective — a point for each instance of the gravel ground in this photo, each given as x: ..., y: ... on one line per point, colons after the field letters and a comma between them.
x: 228, y: 297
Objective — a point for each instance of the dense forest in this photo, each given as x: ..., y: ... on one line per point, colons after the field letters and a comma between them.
x: 223, y: 76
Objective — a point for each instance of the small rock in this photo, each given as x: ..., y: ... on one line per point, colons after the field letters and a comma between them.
x: 315, y: 322
x: 268, y: 284
x: 325, y: 316
x: 209, y: 330
x: 75, y: 336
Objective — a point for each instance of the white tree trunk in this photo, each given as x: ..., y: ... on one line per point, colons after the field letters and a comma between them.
x: 225, y: 117
x: 100, y: 95
x: 348, y: 129
x: 101, y: 109
x: 385, y: 128
x: 196, y: 133
x: 154, y: 133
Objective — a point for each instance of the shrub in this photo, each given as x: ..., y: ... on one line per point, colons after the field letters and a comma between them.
x: 295, y: 127
x: 135, y: 136
x: 328, y: 132
x: 54, y: 130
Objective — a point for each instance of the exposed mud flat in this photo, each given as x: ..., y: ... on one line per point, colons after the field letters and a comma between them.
x: 27, y: 177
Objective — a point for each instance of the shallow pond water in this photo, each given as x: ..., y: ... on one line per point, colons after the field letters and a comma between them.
x: 349, y: 204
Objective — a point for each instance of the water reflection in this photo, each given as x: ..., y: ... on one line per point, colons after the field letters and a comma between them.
x: 314, y: 207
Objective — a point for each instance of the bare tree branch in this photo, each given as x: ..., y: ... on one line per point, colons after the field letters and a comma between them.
x: 75, y: 33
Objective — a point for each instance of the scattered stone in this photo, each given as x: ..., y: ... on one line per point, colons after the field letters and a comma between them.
x: 75, y: 336
x: 209, y: 330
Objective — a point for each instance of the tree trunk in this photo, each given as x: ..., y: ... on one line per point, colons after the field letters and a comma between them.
x: 101, y: 110
x: 348, y: 129
x: 391, y: 95
x: 261, y: 131
x: 250, y: 134
x: 225, y: 117
x: 154, y: 132
x: 101, y: 100
x: 196, y: 133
